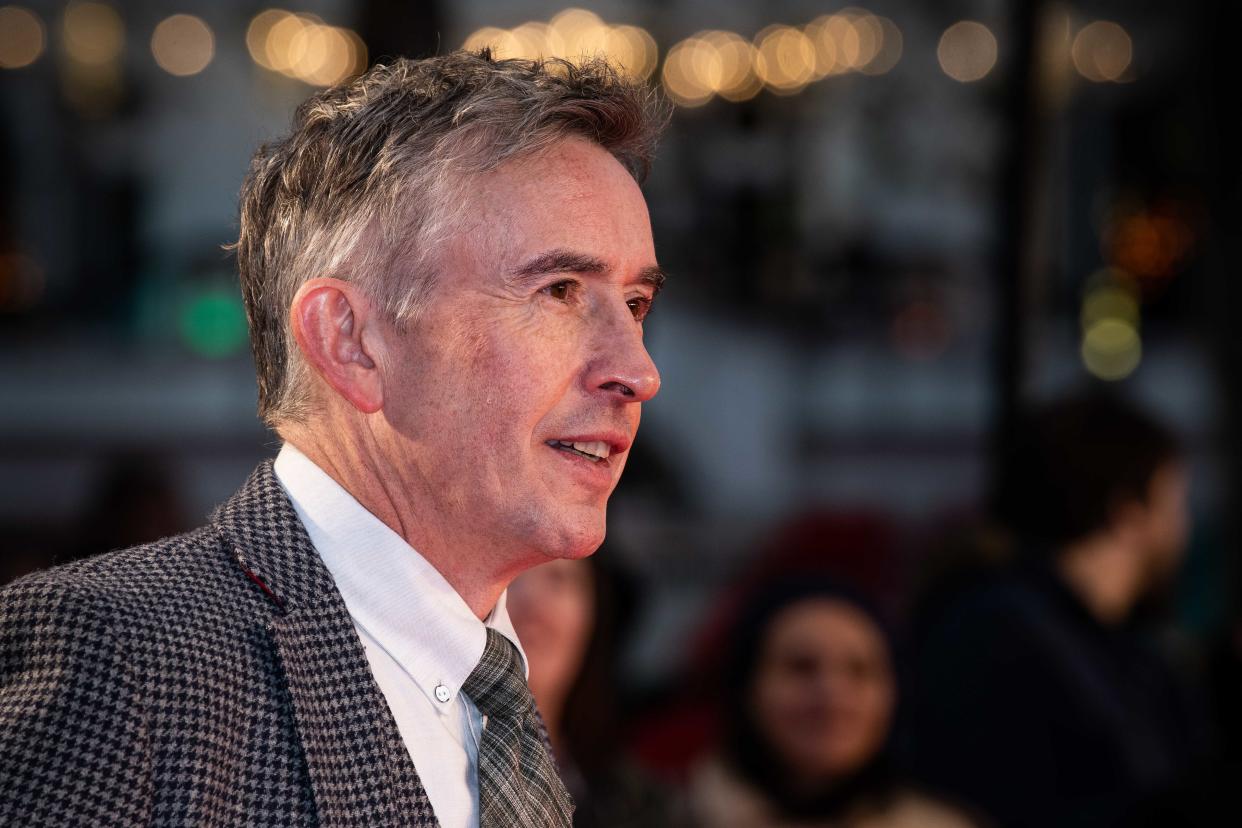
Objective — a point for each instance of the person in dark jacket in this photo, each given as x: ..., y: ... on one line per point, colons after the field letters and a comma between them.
x: 1037, y: 698
x: 446, y: 265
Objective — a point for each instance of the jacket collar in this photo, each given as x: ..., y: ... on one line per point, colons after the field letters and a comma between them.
x: 270, y: 544
x: 360, y: 770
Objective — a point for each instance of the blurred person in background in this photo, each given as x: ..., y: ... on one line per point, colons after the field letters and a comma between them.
x: 1037, y: 697
x: 572, y: 618
x: 808, y: 730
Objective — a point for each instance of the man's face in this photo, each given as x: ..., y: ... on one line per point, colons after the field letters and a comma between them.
x: 528, y: 358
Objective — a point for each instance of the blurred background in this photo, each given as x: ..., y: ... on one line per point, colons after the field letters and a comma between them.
x: 891, y: 231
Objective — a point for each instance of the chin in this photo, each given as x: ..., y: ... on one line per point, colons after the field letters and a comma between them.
x: 552, y: 530
x: 576, y: 539
x: 579, y: 545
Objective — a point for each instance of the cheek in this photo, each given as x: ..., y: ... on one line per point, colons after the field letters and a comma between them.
x: 778, y: 702
x: 875, y: 708
x: 862, y: 728
x: 518, y: 372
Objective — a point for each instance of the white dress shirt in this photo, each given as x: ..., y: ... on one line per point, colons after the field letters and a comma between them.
x: 421, y: 639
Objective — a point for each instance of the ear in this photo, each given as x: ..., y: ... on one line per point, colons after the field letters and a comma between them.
x: 331, y: 320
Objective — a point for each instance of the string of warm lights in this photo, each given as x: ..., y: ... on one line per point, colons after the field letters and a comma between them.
x: 713, y: 63
x: 572, y: 34
x: 783, y: 59
x: 297, y: 45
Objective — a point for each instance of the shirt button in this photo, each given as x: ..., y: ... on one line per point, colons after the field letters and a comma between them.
x: 442, y: 693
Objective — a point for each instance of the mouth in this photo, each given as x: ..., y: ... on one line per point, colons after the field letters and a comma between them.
x: 597, y: 451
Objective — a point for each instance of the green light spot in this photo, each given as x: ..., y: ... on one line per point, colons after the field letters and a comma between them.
x: 213, y: 323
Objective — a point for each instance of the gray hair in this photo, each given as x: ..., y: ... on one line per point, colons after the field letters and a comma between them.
x: 364, y: 186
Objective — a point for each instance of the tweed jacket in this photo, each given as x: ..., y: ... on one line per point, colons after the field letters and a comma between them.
x: 214, y: 678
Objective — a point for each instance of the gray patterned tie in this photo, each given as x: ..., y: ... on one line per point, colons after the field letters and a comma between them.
x: 519, y: 786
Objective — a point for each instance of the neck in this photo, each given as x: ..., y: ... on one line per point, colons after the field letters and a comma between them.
x: 1103, y: 573
x: 356, y: 461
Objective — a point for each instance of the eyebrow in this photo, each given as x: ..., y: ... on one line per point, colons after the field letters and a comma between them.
x: 568, y: 261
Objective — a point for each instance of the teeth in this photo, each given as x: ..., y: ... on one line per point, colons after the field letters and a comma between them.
x: 598, y: 448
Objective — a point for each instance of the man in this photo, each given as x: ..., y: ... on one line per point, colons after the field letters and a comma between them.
x: 446, y: 266
x: 1038, y: 700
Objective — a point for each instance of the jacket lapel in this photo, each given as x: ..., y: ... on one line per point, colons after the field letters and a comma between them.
x: 360, y: 770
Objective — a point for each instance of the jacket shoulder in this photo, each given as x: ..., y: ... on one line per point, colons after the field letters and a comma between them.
x: 137, y: 685
x: 70, y: 702
x: 171, y: 576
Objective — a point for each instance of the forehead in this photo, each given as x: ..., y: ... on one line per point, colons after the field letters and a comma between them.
x: 823, y: 624
x: 572, y: 196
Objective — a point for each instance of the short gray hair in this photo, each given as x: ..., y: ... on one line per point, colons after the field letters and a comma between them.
x: 363, y: 186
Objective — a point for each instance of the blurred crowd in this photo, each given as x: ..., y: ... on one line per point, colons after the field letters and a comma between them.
x: 1024, y: 678
x: 1024, y: 671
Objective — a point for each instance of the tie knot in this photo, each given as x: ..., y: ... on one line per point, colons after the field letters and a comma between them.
x: 498, y: 686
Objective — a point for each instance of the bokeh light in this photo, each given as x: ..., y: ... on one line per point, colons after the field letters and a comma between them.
x: 279, y: 46
x: 1110, y: 301
x: 1151, y: 243
x: 785, y: 59
x: 854, y: 40
x: 183, y: 45
x: 1111, y: 349
x: 836, y: 43
x: 359, y: 58
x: 889, y: 53
x: 580, y: 33
x: 325, y: 55
x: 1102, y: 52
x: 303, y: 47
x: 93, y: 33
x: 1110, y: 317
x: 534, y: 40
x: 213, y: 323
x: 738, y: 81
x: 489, y: 36
x: 94, y: 91
x: 967, y: 51
x: 869, y: 33
x: 257, y: 32
x: 91, y: 77
x: 574, y: 35
x: 693, y: 71
x: 633, y: 49
x: 22, y: 37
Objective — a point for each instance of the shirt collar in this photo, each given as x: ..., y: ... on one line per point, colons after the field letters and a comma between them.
x: 390, y: 590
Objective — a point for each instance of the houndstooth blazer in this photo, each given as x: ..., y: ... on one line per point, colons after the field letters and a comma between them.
x: 213, y: 678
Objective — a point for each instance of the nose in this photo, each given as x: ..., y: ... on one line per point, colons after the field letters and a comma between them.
x: 622, y: 367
